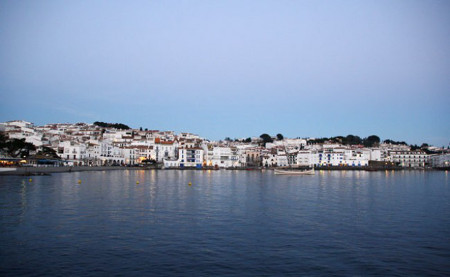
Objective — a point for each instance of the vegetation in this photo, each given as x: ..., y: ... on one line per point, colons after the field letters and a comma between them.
x: 266, y: 138
x: 3, y: 139
x: 48, y: 152
x: 16, y: 148
x: 389, y: 141
x: 318, y: 140
x: 424, y: 147
x: 112, y: 125
x: 370, y: 141
x: 414, y: 147
x: 280, y: 137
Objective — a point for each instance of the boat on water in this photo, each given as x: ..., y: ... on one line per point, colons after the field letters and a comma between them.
x: 8, y: 169
x: 294, y: 172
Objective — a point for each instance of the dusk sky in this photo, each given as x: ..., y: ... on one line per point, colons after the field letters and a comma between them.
x: 231, y: 68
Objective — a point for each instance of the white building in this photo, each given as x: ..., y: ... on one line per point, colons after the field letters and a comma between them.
x: 269, y: 160
x: 130, y: 155
x: 307, y: 158
x: 282, y: 160
x: 165, y: 150
x: 20, y: 124
x: 409, y: 158
x: 440, y: 161
x: 190, y: 157
x: 223, y: 157
x: 72, y: 151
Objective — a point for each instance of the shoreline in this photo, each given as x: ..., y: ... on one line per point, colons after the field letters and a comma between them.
x: 32, y: 171
x: 28, y: 171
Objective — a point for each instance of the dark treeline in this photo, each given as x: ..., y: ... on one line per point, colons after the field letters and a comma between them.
x: 370, y: 141
x: 112, y: 125
x: 389, y: 141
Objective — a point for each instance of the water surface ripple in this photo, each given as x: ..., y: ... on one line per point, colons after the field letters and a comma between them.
x: 226, y: 223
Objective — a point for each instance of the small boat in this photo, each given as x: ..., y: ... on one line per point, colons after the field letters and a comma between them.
x: 8, y: 169
x: 294, y: 172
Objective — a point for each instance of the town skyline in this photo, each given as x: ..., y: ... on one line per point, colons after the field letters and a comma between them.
x: 221, y: 68
x: 106, y: 144
x: 123, y: 126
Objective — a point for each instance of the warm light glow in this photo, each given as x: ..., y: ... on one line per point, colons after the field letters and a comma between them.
x: 142, y: 158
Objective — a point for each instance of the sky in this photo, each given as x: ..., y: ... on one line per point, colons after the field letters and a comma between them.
x: 231, y: 68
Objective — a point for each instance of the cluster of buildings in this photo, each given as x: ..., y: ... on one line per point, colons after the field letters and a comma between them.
x: 91, y: 145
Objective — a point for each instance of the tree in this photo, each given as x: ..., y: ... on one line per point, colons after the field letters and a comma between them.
x: 352, y: 140
x: 317, y: 141
x: 18, y: 148
x: 266, y: 138
x: 371, y: 141
x: 48, y: 152
x: 3, y: 139
x: 280, y: 137
x: 414, y: 147
x: 248, y: 140
x: 389, y: 141
x: 112, y: 125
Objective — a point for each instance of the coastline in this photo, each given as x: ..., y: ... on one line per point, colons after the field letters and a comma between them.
x: 28, y: 171
x: 33, y: 171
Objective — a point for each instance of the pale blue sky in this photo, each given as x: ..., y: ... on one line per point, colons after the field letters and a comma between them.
x: 231, y: 68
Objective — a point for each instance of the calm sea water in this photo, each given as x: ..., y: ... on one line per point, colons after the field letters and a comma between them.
x: 225, y: 223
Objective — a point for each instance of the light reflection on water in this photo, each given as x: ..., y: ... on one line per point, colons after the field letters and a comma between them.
x: 226, y: 222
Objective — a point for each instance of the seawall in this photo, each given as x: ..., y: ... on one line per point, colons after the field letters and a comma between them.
x: 49, y: 170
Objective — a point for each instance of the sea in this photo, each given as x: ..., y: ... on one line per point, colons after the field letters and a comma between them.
x: 225, y: 223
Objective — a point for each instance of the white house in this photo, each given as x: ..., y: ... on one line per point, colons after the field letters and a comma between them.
x: 222, y: 157
x: 190, y: 157
x: 72, y: 151
x: 165, y: 150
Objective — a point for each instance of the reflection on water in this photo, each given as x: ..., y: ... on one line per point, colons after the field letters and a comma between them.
x: 226, y: 222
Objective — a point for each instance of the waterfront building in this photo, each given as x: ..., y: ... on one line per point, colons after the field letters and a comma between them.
x: 171, y: 163
x: 307, y: 158
x: 190, y: 157
x: 409, y: 158
x: 282, y: 160
x: 269, y: 160
x: 165, y: 149
x: 357, y: 157
x: 250, y: 157
x: 332, y: 156
x: 222, y: 157
x: 130, y: 155
x: 92, y: 157
x: 440, y: 161
x: 72, y: 151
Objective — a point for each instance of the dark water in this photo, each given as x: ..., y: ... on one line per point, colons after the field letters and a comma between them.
x: 226, y: 223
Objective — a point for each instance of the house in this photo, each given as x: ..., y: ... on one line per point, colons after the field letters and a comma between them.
x: 190, y: 157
